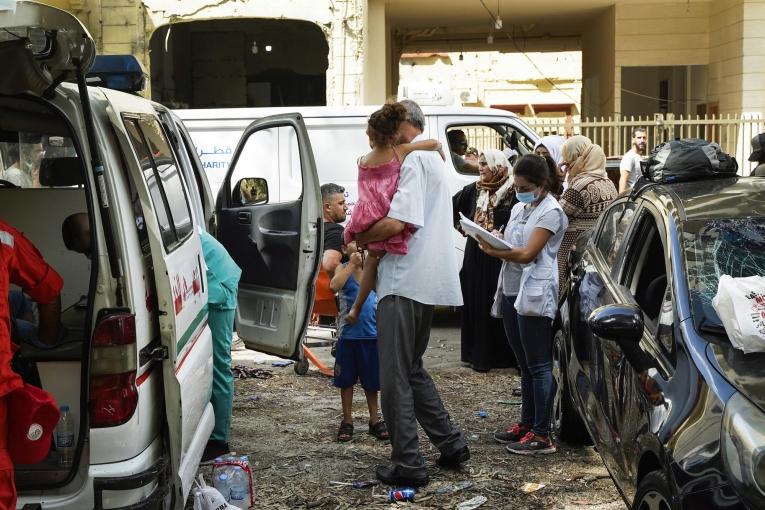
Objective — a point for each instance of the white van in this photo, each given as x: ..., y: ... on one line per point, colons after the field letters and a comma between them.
x: 135, y: 361
x: 338, y: 137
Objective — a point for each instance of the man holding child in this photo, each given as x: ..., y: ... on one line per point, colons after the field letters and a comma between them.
x: 408, y: 288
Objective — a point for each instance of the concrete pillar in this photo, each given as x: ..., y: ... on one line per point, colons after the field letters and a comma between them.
x: 601, y: 78
x: 376, y: 63
x: 346, y: 48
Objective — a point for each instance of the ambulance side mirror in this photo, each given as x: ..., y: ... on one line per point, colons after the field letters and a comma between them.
x: 250, y: 191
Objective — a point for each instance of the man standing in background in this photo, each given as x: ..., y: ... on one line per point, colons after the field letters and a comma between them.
x: 334, y: 210
x: 630, y: 166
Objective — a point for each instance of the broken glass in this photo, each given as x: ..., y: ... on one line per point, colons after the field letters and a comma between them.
x: 732, y: 246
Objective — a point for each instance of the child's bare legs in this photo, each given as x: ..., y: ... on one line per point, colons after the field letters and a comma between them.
x: 373, y: 406
x: 346, y: 398
x: 368, y: 281
x: 376, y: 427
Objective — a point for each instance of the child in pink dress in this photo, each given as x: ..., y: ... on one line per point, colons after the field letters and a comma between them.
x: 377, y: 183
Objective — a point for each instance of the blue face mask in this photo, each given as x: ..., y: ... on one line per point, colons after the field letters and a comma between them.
x: 527, y: 197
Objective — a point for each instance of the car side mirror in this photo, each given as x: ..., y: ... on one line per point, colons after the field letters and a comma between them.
x: 250, y: 191
x: 617, y: 322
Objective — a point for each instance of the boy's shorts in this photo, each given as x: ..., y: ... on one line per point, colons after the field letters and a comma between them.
x: 357, y: 360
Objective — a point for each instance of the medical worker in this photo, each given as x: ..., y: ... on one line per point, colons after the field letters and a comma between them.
x: 21, y: 264
x: 222, y: 286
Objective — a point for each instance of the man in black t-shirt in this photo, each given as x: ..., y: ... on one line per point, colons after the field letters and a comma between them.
x: 334, y: 209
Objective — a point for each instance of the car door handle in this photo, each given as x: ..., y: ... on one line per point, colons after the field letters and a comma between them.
x: 244, y: 217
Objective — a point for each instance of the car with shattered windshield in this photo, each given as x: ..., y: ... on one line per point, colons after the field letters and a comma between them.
x: 645, y: 369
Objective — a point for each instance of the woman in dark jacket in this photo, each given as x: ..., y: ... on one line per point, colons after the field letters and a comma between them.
x: 487, y: 202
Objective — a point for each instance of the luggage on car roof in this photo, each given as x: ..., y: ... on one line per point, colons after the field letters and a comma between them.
x: 689, y: 159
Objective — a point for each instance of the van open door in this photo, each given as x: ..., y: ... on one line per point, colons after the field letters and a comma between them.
x: 269, y: 219
x: 183, y: 349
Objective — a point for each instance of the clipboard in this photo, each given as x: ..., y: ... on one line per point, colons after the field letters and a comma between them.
x: 474, y: 230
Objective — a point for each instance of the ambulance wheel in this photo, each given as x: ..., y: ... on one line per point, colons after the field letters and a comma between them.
x: 301, y: 367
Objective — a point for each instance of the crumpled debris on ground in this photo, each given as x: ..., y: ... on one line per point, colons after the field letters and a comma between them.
x: 242, y: 372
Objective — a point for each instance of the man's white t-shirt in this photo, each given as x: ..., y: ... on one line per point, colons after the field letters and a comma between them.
x: 631, y: 163
x: 428, y: 273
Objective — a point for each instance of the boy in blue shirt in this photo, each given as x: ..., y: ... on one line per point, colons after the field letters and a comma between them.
x: 356, y: 352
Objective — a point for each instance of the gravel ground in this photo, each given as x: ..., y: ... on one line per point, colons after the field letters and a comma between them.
x: 287, y: 424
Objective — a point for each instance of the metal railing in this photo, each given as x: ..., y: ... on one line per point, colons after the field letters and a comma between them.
x: 733, y: 133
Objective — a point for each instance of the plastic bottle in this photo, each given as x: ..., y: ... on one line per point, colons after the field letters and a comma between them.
x: 65, y: 437
x: 248, y: 474
x: 240, y: 493
x: 222, y: 482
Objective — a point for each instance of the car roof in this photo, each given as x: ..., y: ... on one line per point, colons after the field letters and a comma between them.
x: 716, y: 198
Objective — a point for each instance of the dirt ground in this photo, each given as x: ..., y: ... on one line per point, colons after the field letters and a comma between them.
x: 287, y: 425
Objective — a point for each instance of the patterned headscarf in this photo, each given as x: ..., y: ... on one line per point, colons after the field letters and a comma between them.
x: 494, y: 189
x: 583, y: 157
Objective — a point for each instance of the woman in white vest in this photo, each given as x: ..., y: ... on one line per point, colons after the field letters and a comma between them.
x: 527, y: 298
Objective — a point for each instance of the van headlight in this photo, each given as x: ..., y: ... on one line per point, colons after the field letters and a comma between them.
x: 743, y: 447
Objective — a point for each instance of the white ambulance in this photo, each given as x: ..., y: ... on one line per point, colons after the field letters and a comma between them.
x: 134, y: 364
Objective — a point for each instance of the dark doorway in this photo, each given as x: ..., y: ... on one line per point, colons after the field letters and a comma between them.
x: 235, y: 62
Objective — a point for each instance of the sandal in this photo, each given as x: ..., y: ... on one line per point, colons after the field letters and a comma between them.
x: 379, y: 430
x: 345, y: 432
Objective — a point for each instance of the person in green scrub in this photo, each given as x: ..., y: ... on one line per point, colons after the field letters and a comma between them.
x: 222, y: 285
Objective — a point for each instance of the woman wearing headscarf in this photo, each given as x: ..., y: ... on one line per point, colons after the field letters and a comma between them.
x: 549, y: 146
x: 487, y: 202
x: 588, y: 194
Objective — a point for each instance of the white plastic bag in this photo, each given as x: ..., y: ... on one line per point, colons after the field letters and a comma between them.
x: 740, y: 304
x: 210, y: 498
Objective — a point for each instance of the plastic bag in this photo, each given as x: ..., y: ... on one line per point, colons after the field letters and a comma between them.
x: 740, y: 304
x: 689, y: 159
x: 210, y: 498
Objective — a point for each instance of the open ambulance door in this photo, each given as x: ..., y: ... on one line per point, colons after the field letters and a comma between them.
x: 161, y: 205
x: 270, y: 221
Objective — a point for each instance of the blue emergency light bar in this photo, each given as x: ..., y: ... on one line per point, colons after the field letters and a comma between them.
x: 118, y: 72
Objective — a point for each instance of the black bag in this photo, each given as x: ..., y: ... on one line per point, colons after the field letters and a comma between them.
x: 689, y: 159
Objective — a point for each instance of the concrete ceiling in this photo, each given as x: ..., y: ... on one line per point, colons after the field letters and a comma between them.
x: 453, y: 13
x: 463, y: 25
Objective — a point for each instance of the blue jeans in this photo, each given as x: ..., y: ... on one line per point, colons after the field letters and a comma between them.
x: 531, y: 340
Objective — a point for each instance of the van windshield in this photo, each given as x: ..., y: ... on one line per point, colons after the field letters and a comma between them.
x: 37, y: 160
x: 732, y: 246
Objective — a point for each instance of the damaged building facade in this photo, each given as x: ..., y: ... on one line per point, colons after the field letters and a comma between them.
x: 203, y: 54
x: 680, y: 57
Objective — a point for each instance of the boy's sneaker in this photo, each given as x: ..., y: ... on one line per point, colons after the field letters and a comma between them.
x: 532, y: 444
x: 512, y: 435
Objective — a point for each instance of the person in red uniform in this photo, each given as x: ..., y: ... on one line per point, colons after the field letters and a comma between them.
x: 21, y: 264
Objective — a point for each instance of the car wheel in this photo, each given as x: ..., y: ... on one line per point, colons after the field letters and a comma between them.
x: 301, y: 367
x: 653, y: 493
x: 567, y: 425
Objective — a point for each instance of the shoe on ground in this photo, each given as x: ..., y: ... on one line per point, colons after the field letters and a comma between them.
x: 397, y: 476
x: 454, y: 460
x: 215, y: 448
x: 532, y: 444
x: 513, y: 434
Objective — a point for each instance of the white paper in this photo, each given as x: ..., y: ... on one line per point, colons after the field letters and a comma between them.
x: 474, y: 230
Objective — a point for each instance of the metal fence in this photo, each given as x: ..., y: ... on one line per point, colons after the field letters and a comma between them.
x: 733, y: 133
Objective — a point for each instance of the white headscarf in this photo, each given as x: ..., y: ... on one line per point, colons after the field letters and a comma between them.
x: 552, y: 143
